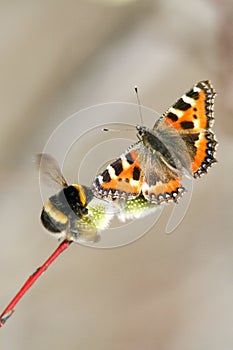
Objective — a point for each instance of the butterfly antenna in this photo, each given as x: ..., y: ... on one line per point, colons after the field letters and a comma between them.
x: 118, y: 130
x: 139, y: 104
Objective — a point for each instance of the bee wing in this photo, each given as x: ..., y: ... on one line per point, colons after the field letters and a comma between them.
x: 88, y: 237
x: 49, y: 170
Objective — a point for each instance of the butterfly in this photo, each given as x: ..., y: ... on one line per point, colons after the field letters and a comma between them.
x: 181, y: 143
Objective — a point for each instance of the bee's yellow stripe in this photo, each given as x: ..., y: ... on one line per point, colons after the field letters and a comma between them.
x: 54, y: 213
x: 82, y: 194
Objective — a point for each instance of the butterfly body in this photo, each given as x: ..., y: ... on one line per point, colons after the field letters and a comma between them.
x: 180, y: 143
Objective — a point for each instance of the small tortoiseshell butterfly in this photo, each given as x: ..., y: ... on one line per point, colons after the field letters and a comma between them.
x: 180, y: 143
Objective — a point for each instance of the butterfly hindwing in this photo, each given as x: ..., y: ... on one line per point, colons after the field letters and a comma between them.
x: 160, y: 182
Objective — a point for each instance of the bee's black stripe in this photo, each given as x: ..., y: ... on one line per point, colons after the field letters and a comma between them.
x: 50, y: 223
x: 68, y: 200
x: 73, y: 198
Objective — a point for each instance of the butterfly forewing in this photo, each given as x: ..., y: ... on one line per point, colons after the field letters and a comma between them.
x: 192, y: 116
x: 122, y: 178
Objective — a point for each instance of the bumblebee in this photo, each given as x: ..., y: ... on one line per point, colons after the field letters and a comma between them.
x: 62, y: 212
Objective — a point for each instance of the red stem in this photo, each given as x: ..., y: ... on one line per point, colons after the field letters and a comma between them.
x: 31, y: 280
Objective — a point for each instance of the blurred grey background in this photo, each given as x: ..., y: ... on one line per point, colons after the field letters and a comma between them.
x: 161, y: 292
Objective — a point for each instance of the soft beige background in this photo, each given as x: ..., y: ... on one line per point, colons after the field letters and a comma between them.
x: 162, y: 292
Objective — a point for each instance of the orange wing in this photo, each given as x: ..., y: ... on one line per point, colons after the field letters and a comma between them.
x: 192, y: 116
x: 121, y: 179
